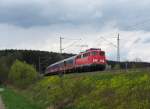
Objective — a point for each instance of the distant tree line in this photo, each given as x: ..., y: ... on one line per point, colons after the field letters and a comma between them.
x: 41, y: 59
x: 128, y: 64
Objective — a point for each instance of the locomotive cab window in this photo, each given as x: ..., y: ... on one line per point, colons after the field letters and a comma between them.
x: 86, y: 55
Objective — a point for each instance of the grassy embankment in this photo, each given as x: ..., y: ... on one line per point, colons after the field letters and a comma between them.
x: 107, y: 90
x: 14, y: 100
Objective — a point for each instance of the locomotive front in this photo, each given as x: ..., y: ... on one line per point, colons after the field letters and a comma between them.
x: 91, y: 59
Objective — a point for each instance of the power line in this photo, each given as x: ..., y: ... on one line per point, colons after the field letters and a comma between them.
x: 66, y: 38
x: 138, y: 24
x: 108, y: 42
x: 70, y: 45
x: 118, y: 38
x: 116, y: 46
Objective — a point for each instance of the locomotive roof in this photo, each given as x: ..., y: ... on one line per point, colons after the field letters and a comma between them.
x: 91, y: 49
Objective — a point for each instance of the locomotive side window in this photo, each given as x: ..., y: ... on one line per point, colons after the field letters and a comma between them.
x: 86, y: 55
x: 102, y: 53
x: 94, y: 53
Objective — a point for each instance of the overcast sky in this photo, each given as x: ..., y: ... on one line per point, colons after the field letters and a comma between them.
x: 38, y: 24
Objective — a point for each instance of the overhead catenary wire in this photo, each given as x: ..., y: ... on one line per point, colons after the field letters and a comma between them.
x: 68, y: 46
x: 108, y: 41
x: 128, y: 27
x: 138, y: 24
x: 116, y: 46
x: 135, y: 27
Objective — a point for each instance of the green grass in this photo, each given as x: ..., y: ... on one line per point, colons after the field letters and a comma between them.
x: 13, y: 100
x: 96, y: 90
x: 92, y: 90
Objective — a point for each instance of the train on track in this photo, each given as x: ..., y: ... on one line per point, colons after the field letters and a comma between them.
x: 90, y: 60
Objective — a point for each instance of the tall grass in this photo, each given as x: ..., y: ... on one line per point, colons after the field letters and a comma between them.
x: 122, y: 90
x: 13, y: 100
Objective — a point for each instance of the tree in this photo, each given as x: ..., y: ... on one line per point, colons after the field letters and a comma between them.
x: 5, y: 64
x: 22, y: 74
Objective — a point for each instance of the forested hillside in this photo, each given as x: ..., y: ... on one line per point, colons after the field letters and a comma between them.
x: 42, y: 59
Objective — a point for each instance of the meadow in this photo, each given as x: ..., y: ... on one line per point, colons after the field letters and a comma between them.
x: 94, y: 90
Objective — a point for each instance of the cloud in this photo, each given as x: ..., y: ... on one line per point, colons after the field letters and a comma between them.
x: 80, y: 12
x: 38, y: 24
x: 146, y: 40
x: 48, y: 12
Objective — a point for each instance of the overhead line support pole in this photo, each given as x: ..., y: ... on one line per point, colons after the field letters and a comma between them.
x: 118, y: 48
x: 61, y: 45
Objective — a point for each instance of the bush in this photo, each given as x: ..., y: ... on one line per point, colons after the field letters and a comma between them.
x: 22, y: 74
x: 101, y: 91
x: 59, y: 93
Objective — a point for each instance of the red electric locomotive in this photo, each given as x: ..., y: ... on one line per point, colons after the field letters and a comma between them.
x: 90, y: 60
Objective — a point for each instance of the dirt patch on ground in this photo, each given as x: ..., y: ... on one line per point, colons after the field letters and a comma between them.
x: 2, y: 106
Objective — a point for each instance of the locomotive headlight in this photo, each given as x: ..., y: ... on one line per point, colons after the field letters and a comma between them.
x: 101, y: 60
x: 95, y: 60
